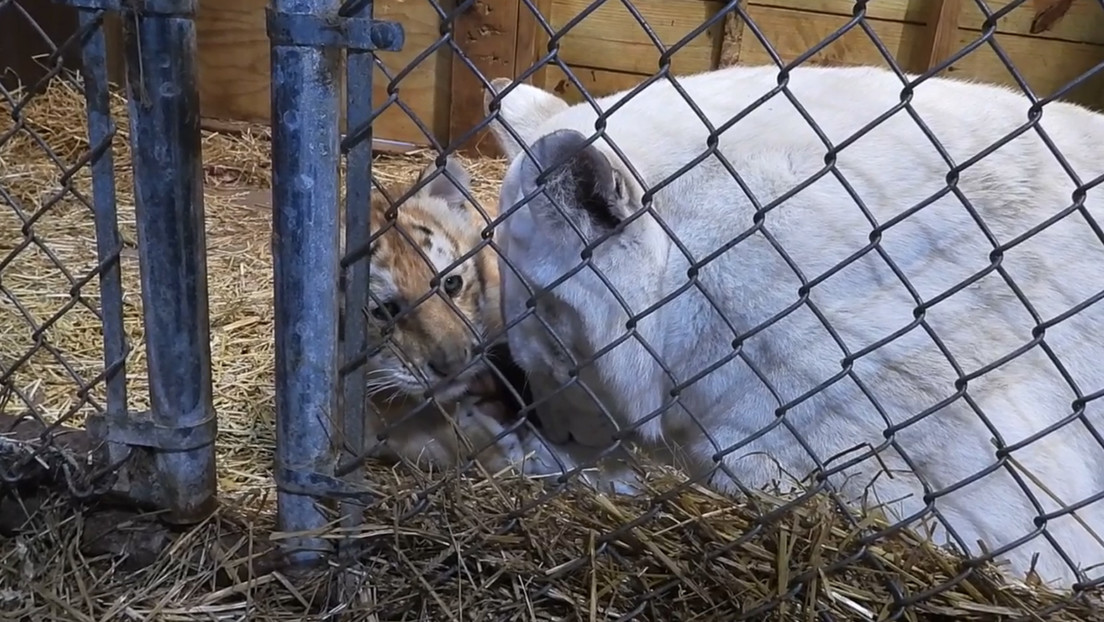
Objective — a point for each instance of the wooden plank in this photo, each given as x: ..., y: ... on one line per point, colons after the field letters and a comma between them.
x: 425, y: 89
x: 792, y: 33
x: 234, y: 67
x: 941, y: 32
x: 532, y: 39
x: 486, y: 36
x: 597, y: 82
x: 612, y: 38
x: 912, y: 11
x: 233, y: 60
x: 116, y: 54
x: 1083, y: 21
x: 1046, y: 64
x: 22, y: 48
x: 732, y: 38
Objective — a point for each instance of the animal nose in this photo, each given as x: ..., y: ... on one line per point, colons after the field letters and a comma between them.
x: 445, y: 362
x: 438, y: 367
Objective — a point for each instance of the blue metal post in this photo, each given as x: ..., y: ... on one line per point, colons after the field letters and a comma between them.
x: 168, y: 185
x: 359, y: 68
x: 305, y: 193
x: 101, y: 131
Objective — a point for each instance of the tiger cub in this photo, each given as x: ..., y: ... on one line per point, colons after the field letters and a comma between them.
x: 431, y: 337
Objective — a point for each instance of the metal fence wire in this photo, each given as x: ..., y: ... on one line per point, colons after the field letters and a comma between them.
x: 871, y: 283
x: 64, y: 264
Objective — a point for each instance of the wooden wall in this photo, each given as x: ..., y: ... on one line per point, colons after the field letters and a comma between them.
x: 606, y: 51
x: 234, y: 68
x: 1047, y: 55
x: 1051, y: 42
x: 612, y: 51
x: 23, y: 50
x: 628, y: 53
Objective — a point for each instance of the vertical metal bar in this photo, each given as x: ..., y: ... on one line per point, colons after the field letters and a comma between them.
x: 168, y: 186
x: 101, y: 131
x: 305, y: 152
x: 359, y: 69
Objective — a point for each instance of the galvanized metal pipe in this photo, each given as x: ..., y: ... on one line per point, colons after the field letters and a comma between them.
x: 359, y: 69
x: 305, y: 152
x: 168, y: 182
x: 101, y: 131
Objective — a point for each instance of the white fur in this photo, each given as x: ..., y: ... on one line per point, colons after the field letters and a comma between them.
x: 892, y: 168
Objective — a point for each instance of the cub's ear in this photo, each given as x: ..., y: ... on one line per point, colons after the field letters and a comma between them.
x: 524, y: 109
x: 579, y: 177
x: 442, y: 187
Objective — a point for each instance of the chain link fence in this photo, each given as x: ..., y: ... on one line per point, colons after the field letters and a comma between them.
x: 46, y: 298
x: 766, y: 341
x: 69, y: 282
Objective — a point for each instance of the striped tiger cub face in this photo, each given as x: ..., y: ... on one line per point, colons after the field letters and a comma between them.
x: 430, y: 337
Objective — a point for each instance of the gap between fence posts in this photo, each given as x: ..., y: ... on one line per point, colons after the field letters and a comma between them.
x: 163, y: 100
x: 305, y: 257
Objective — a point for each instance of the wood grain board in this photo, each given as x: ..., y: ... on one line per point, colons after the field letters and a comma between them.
x: 234, y: 67
x: 608, y: 50
x: 487, y: 35
x: 612, y: 38
x: 1046, y: 63
x: 597, y: 82
x: 940, y: 33
x: 1084, y: 21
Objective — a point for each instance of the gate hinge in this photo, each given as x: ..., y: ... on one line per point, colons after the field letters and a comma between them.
x: 354, y: 33
x: 138, y: 429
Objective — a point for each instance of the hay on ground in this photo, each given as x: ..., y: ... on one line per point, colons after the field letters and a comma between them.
x: 465, y: 554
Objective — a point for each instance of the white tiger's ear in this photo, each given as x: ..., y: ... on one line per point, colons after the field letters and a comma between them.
x: 441, y: 187
x: 587, y: 186
x: 524, y: 109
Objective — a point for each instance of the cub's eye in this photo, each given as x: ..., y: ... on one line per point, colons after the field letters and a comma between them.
x: 385, y: 311
x: 453, y: 284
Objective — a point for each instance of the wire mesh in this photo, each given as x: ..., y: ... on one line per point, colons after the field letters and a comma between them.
x: 594, y: 375
x: 62, y: 275
x: 64, y: 341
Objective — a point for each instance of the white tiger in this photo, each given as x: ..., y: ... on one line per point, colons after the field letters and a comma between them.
x: 764, y: 386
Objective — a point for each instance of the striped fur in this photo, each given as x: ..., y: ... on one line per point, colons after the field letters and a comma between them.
x: 435, y: 328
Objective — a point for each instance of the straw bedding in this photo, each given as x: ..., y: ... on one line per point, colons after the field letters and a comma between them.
x: 457, y: 552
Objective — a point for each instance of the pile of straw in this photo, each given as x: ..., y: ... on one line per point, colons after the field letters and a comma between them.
x: 457, y: 552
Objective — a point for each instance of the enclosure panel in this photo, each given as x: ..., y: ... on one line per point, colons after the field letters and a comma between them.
x: 1083, y: 20
x: 425, y: 89
x: 1080, y: 20
x: 1046, y: 64
x: 234, y: 67
x: 487, y: 38
x: 22, y: 48
x: 597, y: 82
x: 791, y: 33
x: 611, y: 38
x: 532, y: 41
x: 233, y: 60
x: 915, y: 11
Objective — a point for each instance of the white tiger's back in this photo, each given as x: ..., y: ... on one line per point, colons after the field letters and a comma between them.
x: 892, y: 384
